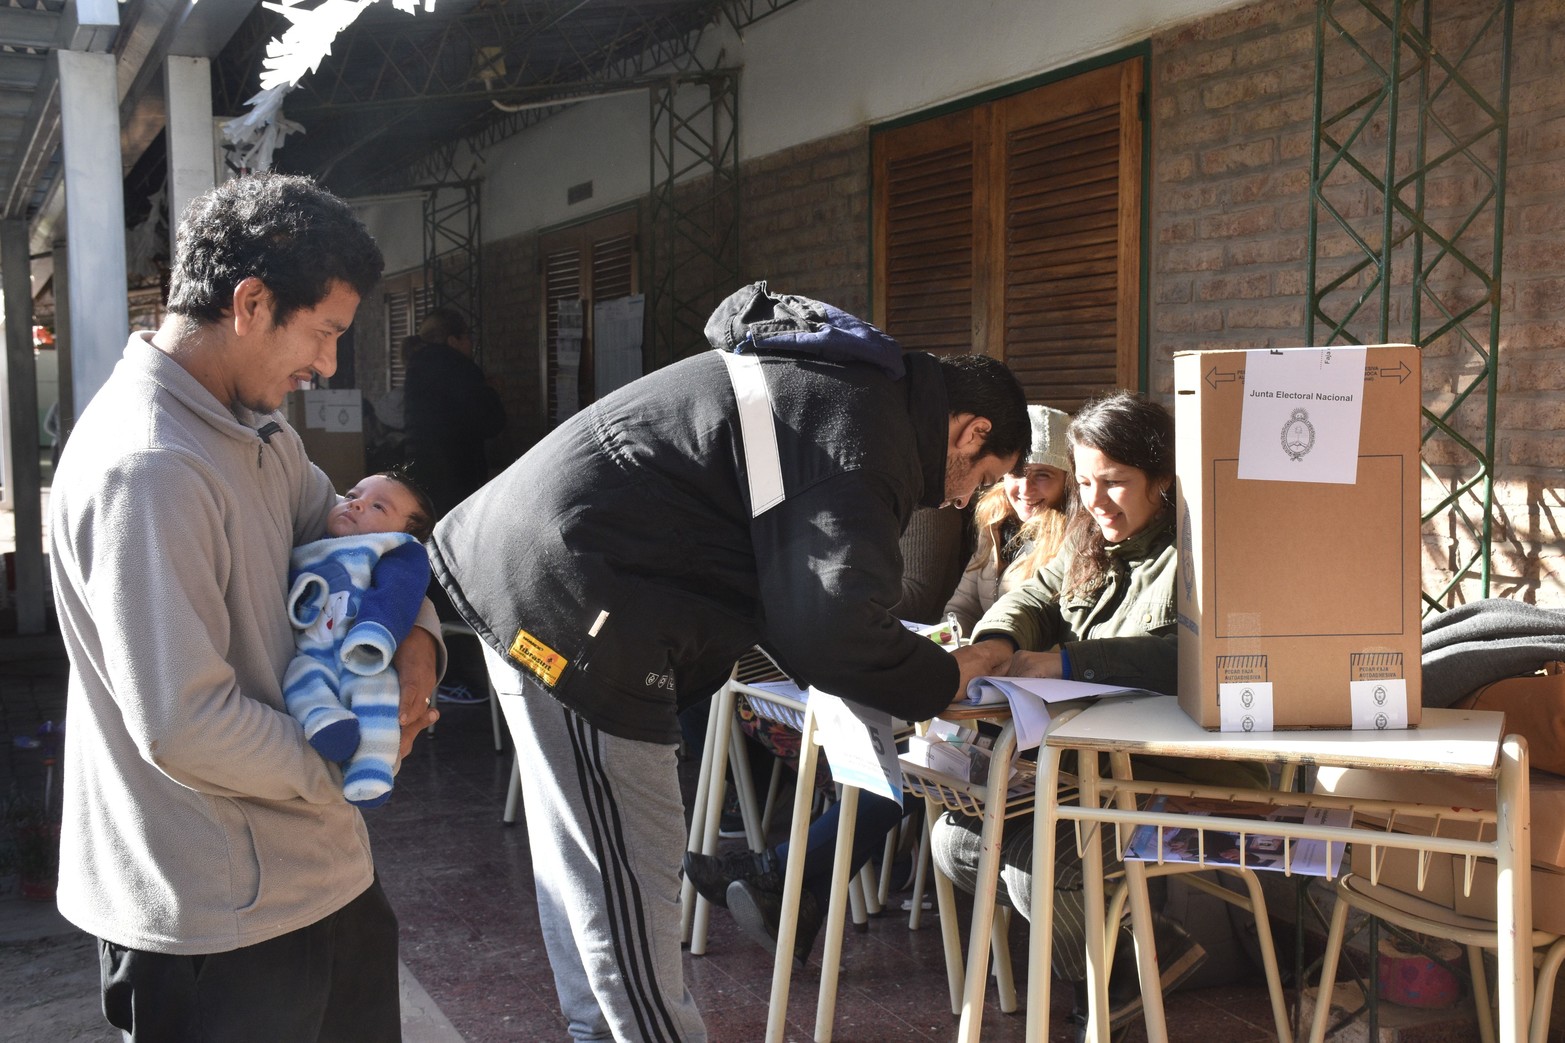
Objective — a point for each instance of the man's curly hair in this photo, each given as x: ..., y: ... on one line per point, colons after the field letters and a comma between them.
x: 294, y: 236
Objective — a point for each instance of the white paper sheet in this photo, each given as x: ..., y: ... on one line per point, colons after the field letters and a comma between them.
x: 567, y: 354
x: 1245, y: 706
x: 1301, y: 415
x: 616, y: 342
x: 1030, y: 699
x: 859, y: 745
x: 1379, y: 705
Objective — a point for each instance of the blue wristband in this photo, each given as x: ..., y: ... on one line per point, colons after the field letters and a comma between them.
x: 1065, y: 663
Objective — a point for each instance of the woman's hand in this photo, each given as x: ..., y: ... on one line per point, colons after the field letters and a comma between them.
x: 991, y: 658
x: 1036, y: 664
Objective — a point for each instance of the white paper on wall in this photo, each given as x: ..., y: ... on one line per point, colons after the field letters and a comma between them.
x: 616, y: 342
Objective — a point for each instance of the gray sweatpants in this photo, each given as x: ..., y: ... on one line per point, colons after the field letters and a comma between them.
x: 606, y: 824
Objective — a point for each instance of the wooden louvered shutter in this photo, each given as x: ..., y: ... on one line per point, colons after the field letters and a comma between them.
x: 1013, y: 229
x: 408, y: 300
x: 561, y: 282
x: 924, y: 253
x: 613, y: 267
x: 1069, y: 156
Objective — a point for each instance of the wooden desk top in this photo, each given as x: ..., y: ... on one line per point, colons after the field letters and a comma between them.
x: 1457, y: 742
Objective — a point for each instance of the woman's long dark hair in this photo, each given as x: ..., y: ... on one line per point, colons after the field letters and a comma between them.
x: 1130, y: 430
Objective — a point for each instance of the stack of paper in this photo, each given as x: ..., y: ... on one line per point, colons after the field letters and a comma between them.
x: 1031, y: 697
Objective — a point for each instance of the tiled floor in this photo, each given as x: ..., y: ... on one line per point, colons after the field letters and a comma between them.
x: 461, y: 882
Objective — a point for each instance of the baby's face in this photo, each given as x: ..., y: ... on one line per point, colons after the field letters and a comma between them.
x: 376, y: 504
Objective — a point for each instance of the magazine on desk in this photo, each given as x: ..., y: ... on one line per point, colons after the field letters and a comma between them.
x: 1031, y: 699
x: 1257, y: 850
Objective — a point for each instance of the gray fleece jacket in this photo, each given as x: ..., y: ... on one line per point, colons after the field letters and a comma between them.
x: 196, y: 819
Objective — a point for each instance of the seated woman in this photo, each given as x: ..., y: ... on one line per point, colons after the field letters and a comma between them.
x: 1020, y: 520
x: 1101, y: 611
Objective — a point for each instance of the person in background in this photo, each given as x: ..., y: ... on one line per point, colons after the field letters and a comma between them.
x: 1020, y: 521
x: 449, y: 411
x: 1101, y: 611
x: 751, y: 494
x: 204, y: 842
x: 935, y: 548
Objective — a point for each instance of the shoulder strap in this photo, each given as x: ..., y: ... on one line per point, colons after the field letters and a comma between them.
x: 757, y: 429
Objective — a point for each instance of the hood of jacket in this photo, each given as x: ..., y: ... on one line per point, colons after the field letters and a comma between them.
x: 753, y: 319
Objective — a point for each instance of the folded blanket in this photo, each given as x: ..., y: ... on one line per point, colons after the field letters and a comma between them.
x: 1472, y: 645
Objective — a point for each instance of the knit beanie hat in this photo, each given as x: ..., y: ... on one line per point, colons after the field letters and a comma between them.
x: 1049, y: 445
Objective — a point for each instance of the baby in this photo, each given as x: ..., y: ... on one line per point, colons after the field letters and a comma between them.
x: 352, y: 598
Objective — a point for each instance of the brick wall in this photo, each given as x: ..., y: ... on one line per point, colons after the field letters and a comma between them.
x: 1232, y: 114
x: 511, y: 330
x: 804, y: 220
x: 1232, y: 124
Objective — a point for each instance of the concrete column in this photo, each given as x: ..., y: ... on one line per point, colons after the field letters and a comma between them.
x: 187, y: 89
x: 95, y: 218
x: 62, y: 336
x: 22, y: 381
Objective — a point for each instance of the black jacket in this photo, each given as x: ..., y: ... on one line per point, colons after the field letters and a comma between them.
x: 450, y: 412
x: 618, y: 560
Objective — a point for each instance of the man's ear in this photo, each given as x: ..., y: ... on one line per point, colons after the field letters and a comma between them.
x: 252, y: 303
x: 969, y: 432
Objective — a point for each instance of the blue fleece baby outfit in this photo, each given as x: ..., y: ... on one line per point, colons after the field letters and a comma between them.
x: 352, y: 599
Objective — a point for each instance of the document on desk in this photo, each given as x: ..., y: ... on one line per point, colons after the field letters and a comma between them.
x: 860, y: 746
x: 1240, y: 847
x: 1030, y: 699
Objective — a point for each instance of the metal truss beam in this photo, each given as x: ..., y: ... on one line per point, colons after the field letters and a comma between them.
x: 695, y: 209
x: 453, y: 251
x: 1410, y: 100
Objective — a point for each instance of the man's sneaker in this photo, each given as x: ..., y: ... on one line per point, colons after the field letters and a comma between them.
x: 1178, y: 957
x: 712, y: 874
x: 460, y: 694
x: 758, y: 914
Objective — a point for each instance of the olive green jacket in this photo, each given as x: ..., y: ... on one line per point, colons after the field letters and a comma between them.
x: 1122, y: 634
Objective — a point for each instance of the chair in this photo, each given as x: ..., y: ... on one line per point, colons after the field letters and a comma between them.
x: 722, y: 734
x: 767, y: 703
x: 990, y: 921
x: 450, y: 628
x: 1413, y: 913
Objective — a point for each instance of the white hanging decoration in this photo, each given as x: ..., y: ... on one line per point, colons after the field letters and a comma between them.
x: 307, y: 40
x: 260, y: 132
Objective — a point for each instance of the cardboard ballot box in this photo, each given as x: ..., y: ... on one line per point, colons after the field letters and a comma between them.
x: 1298, y: 511
x: 331, y: 423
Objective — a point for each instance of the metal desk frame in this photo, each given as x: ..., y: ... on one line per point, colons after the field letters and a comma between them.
x: 1459, y: 742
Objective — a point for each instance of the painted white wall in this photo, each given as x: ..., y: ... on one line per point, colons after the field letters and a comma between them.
x: 823, y: 66
x: 605, y: 141
x: 397, y: 223
x: 817, y: 68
